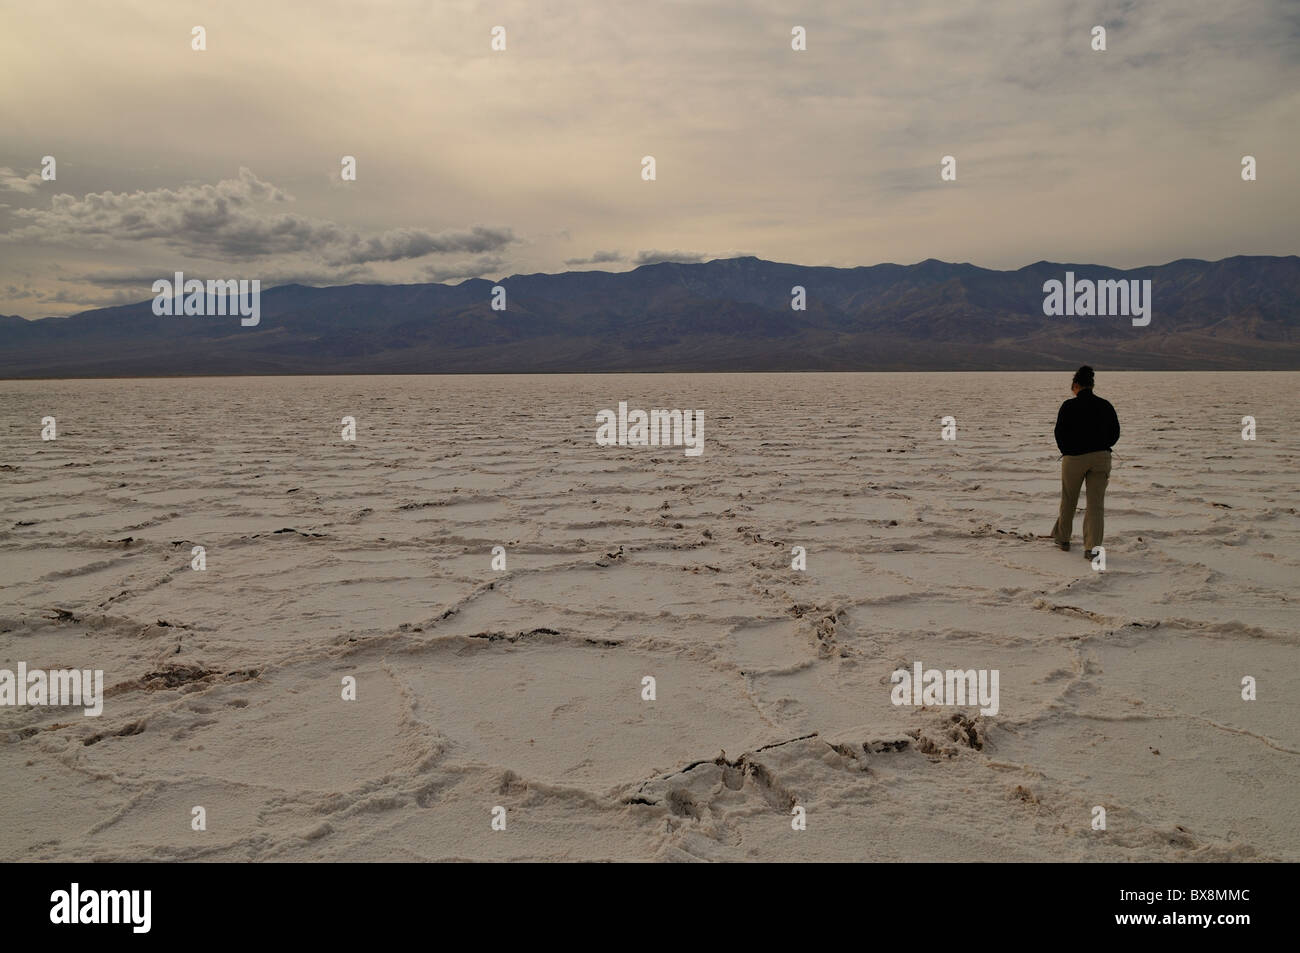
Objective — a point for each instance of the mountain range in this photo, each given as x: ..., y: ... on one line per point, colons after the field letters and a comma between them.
x: 735, y: 314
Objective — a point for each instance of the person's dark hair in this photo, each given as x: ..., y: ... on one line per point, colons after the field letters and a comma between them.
x: 1084, y: 376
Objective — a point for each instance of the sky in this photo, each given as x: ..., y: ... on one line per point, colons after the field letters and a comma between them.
x: 474, y: 162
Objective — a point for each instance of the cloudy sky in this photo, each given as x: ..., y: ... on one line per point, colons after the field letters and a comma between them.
x: 470, y: 162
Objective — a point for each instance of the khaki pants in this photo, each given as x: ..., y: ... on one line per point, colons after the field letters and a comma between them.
x: 1095, y: 469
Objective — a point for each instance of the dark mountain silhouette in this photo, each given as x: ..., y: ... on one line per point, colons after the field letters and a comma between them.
x: 727, y: 315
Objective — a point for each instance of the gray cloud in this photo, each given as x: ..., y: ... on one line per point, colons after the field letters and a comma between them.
x: 140, y: 283
x: 14, y: 182
x: 653, y: 257
x: 404, y: 243
x: 483, y: 265
x: 307, y: 275
x: 101, y: 279
x: 234, y: 219
x: 88, y: 299
x: 597, y: 258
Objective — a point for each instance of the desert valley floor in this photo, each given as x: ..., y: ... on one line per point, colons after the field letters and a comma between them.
x: 478, y: 688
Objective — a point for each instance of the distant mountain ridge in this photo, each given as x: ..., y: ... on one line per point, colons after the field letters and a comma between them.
x: 1241, y: 313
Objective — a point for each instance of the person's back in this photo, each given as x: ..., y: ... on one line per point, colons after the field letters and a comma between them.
x: 1086, y: 423
x: 1087, y: 427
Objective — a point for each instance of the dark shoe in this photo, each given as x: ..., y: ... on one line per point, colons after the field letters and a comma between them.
x: 1064, y: 545
x: 1090, y: 554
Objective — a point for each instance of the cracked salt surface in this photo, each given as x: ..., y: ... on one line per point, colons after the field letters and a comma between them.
x: 523, y: 688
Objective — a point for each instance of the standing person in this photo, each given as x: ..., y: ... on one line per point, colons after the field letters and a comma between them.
x: 1086, y: 429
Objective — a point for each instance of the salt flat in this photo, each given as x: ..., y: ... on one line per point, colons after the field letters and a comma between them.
x: 523, y: 688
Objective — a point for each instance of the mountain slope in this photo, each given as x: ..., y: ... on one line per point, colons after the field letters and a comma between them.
x: 723, y: 315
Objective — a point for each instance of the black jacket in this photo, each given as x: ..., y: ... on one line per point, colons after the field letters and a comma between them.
x: 1086, y: 423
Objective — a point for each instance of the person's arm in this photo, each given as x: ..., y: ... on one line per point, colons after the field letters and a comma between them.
x: 1114, y: 425
x: 1060, y: 428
